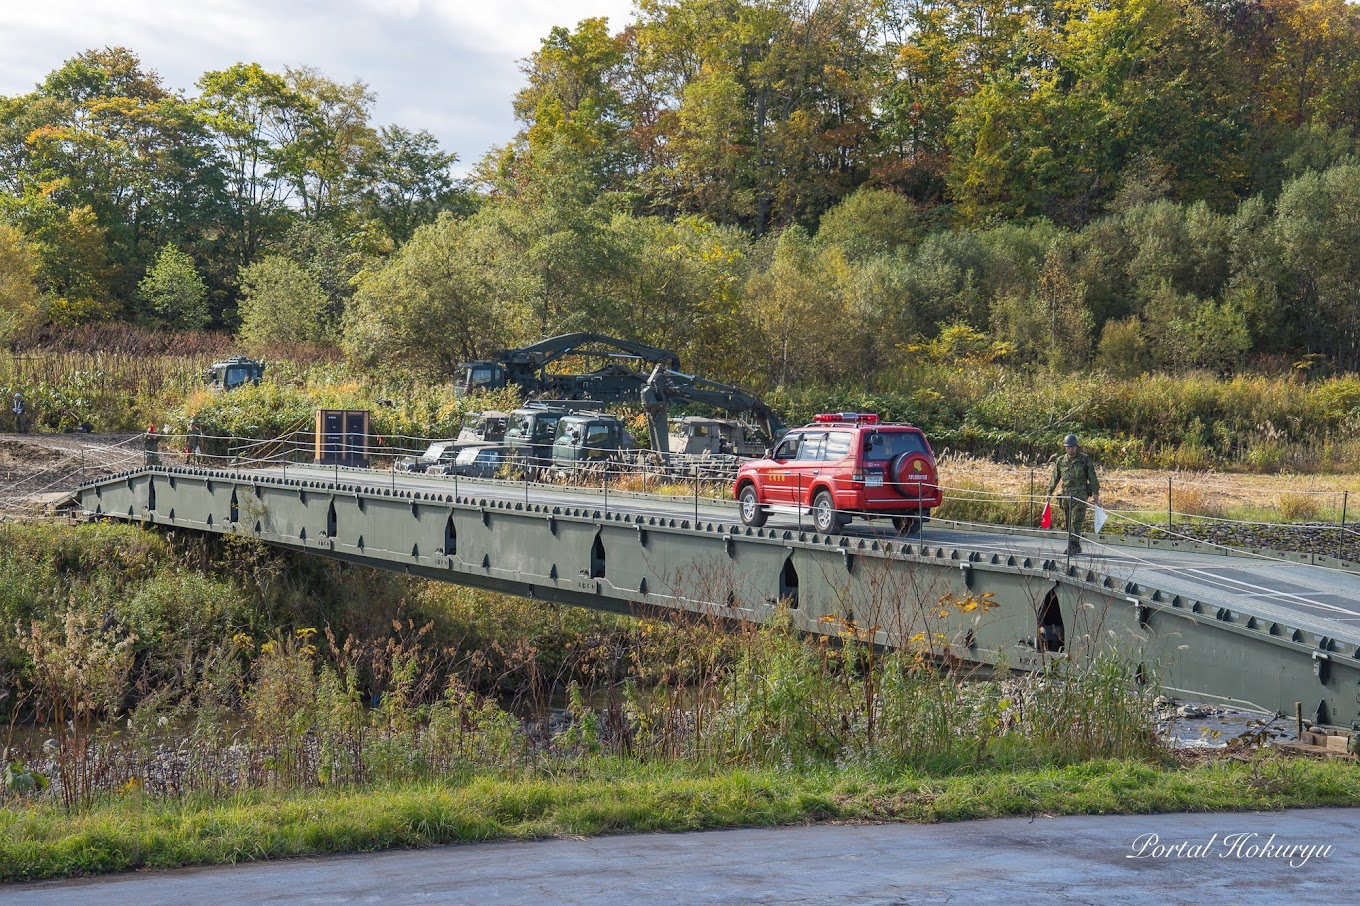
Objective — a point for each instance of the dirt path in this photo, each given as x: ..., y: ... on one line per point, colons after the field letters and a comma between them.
x: 36, y: 469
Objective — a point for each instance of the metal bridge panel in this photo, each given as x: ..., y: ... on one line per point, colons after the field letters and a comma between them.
x: 889, y: 591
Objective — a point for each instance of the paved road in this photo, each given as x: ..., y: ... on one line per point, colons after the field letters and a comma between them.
x: 1065, y: 860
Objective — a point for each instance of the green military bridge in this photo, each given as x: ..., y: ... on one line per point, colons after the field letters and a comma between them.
x: 1260, y: 632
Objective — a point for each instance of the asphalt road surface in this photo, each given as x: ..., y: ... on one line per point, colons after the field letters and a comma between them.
x: 1146, y: 859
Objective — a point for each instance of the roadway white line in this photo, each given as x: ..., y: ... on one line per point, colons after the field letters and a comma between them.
x: 1227, y: 584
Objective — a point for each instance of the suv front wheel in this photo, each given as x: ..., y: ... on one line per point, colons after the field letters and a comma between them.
x: 752, y: 513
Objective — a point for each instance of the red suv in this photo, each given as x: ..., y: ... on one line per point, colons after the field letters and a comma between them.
x: 843, y: 465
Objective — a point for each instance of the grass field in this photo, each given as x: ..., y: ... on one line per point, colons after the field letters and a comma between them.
x: 608, y: 795
x: 1143, y: 493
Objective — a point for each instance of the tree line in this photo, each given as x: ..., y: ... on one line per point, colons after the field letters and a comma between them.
x: 123, y: 199
x: 784, y: 191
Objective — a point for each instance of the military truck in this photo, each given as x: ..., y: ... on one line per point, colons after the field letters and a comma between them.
x: 482, y: 427
x: 532, y: 429
x: 694, y: 435
x: 233, y: 372
x: 591, y: 440
x: 532, y: 436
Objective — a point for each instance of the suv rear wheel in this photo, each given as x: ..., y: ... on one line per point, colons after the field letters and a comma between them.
x: 907, y: 525
x: 824, y: 516
x: 752, y: 513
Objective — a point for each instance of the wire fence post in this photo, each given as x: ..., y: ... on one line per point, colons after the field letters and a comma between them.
x: 1341, y: 535
x: 1030, y: 515
x: 1169, y: 527
x: 798, y: 501
x: 696, y: 498
x: 604, y: 484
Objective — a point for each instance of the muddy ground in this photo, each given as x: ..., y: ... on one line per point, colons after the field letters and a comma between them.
x: 37, y: 469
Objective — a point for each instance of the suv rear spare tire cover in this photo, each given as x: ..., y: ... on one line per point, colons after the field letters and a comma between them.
x: 905, y: 466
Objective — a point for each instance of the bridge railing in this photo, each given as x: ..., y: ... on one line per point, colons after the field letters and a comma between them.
x: 965, y: 501
x: 1189, y: 498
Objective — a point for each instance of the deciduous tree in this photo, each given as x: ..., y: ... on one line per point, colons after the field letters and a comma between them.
x: 175, y: 291
x: 281, y: 302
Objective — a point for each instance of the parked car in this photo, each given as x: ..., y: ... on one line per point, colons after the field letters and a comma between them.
x: 473, y: 462
x: 438, y: 452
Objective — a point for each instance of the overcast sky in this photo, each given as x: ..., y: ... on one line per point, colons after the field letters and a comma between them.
x: 449, y: 66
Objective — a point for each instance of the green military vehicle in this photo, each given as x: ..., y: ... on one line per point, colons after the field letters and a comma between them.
x: 233, y: 372
x: 591, y: 440
x: 529, y: 368
x: 486, y: 427
x: 532, y: 430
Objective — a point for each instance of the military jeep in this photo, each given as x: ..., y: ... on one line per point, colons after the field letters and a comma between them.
x: 233, y: 372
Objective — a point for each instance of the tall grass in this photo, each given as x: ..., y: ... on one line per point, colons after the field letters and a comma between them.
x: 183, y: 670
x: 128, y: 831
x: 237, y: 703
x: 1192, y: 421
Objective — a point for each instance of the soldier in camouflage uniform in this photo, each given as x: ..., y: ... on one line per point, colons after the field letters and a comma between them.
x: 1077, y: 474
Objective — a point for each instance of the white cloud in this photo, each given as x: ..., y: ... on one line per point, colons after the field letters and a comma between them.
x: 450, y: 66
x: 405, y: 9
x: 516, y: 28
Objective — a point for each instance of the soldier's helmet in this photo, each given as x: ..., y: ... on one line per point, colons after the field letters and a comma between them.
x: 1070, y: 440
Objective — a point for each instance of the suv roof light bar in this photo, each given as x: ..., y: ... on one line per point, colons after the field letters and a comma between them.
x: 862, y: 418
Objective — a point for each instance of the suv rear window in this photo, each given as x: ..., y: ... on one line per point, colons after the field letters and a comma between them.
x: 881, y: 446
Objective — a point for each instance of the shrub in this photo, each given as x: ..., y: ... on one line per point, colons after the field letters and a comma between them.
x: 1300, y: 507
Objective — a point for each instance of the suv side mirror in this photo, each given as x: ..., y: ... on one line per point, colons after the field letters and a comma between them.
x: 767, y: 454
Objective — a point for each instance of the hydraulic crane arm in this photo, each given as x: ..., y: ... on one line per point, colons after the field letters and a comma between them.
x: 667, y: 386
x: 544, y: 352
x: 526, y: 368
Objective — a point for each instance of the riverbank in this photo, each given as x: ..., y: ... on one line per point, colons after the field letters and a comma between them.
x: 592, y: 796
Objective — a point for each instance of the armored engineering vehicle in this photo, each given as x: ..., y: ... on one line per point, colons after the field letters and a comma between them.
x: 532, y: 434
